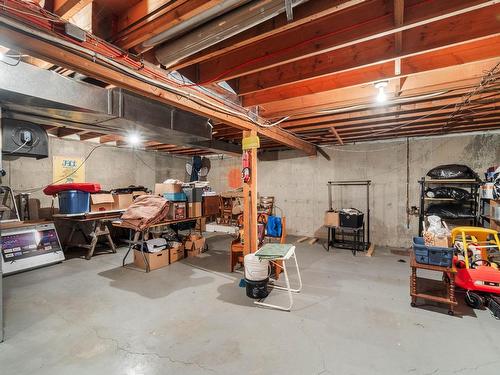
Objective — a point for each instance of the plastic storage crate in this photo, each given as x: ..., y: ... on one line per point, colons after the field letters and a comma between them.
x: 73, y: 202
x: 351, y: 219
x: 175, y: 197
x: 436, y: 256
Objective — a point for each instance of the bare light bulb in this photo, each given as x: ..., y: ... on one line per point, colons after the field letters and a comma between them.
x: 133, y: 139
x: 381, y: 96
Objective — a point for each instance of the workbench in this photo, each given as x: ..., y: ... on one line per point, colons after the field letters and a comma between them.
x: 97, y: 221
x: 436, y: 293
x: 140, y: 236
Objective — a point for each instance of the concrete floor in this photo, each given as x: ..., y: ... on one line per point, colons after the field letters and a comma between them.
x: 353, y: 317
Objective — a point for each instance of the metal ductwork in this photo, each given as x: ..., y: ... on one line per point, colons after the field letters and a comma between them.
x: 191, y: 23
x: 221, y: 28
x: 39, y: 96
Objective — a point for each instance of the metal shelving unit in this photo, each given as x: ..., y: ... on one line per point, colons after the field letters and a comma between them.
x: 471, y: 184
x: 354, y: 239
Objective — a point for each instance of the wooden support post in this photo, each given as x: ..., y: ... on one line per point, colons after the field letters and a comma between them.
x: 250, y: 236
x: 253, y: 197
x: 246, y: 213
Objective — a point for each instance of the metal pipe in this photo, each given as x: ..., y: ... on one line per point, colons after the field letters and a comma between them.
x: 224, y: 27
x: 193, y: 22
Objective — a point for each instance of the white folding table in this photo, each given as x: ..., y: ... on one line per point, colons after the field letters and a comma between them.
x: 275, y: 252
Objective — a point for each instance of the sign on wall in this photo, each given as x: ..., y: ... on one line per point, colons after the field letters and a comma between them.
x: 68, y: 169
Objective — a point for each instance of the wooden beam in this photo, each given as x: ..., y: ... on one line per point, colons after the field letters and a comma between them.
x: 89, y: 135
x: 443, y: 34
x: 372, y: 20
x: 35, y: 46
x: 68, y: 8
x: 110, y: 138
x: 337, y: 135
x: 302, y: 14
x: 144, y: 11
x: 399, y: 9
x: 446, y: 57
x: 455, y: 80
x: 177, y: 14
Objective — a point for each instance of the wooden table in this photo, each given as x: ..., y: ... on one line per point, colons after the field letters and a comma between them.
x: 98, y: 228
x: 448, y: 281
x: 139, y: 237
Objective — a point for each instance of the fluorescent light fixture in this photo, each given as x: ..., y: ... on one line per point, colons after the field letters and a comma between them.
x: 380, y: 86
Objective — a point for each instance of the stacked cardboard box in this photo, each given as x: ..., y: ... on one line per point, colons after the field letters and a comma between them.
x: 155, y: 260
x: 194, y: 245
x: 176, y: 252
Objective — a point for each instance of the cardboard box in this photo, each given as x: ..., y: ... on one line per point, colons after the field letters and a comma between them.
x: 176, y: 253
x: 194, y: 209
x: 155, y: 260
x: 441, y: 241
x: 177, y: 211
x: 167, y: 188
x: 194, y: 245
x: 101, y: 202
x: 332, y: 219
x: 494, y: 210
x: 193, y: 194
x: 201, y: 225
x: 122, y: 201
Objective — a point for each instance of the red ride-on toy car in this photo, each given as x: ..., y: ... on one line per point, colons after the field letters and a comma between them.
x: 477, y: 265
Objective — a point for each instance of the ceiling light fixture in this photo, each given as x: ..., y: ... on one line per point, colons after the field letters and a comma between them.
x: 380, y: 86
x: 133, y: 139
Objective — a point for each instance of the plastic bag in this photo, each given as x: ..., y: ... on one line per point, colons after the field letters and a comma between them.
x: 437, y: 234
x: 449, y: 210
x: 452, y: 171
x: 273, y: 227
x: 448, y: 192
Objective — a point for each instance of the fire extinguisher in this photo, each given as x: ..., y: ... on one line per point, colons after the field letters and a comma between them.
x: 245, y: 164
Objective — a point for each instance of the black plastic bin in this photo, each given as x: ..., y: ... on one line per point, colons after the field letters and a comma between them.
x: 257, y: 289
x: 351, y: 219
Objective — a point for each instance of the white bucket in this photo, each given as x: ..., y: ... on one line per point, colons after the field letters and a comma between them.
x: 256, y: 269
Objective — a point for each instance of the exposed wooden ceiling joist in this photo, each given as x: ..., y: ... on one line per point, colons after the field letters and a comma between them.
x: 371, y: 20
x: 302, y: 14
x: 442, y: 58
x: 68, y: 8
x: 173, y: 14
x: 29, y: 44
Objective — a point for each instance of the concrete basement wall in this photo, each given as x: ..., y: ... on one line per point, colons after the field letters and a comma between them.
x: 299, y: 183
x: 110, y: 166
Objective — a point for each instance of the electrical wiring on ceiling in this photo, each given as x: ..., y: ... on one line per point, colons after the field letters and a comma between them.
x: 100, y: 50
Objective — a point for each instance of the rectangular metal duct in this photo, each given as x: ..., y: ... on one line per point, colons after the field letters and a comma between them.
x: 32, y: 94
x: 156, y: 121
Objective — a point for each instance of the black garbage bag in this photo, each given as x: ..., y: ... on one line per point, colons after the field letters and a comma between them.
x: 449, y: 211
x: 452, y: 171
x: 448, y: 192
x: 496, y: 189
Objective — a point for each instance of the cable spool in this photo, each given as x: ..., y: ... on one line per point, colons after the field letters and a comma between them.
x: 256, y: 269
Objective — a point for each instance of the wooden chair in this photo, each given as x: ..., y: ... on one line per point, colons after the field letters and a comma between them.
x: 236, y: 254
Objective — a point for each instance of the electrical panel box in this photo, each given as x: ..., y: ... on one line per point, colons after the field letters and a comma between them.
x: 21, y: 138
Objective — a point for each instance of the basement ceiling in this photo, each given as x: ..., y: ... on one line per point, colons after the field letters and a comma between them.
x: 312, y: 75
